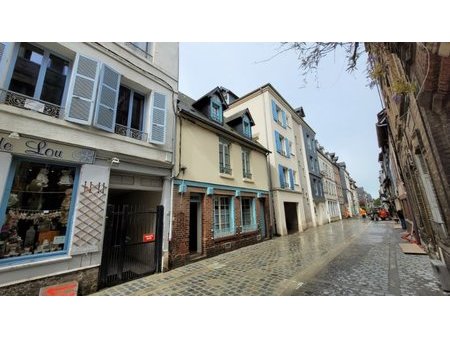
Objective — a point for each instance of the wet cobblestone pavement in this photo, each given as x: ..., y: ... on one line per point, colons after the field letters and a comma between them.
x: 348, y: 257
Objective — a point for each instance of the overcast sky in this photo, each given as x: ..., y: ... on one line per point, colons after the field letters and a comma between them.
x: 338, y: 106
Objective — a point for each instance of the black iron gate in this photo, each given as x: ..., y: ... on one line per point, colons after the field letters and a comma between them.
x: 132, y: 246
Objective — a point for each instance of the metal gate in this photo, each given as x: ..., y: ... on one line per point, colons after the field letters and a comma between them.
x: 132, y: 246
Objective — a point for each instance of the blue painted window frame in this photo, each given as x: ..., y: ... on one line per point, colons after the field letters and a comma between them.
x: 9, y: 181
x: 42, y: 71
x: 232, y: 228
x: 246, y: 126
x: 215, y: 103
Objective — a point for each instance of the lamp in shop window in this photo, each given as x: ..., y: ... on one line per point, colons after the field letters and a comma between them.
x: 65, y: 178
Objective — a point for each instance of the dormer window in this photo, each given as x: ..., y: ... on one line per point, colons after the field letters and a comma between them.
x: 216, y: 113
x: 246, y: 126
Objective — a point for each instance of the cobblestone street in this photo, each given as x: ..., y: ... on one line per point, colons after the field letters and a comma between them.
x: 348, y: 257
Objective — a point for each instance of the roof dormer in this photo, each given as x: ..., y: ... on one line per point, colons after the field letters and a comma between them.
x: 241, y: 122
x: 212, y: 105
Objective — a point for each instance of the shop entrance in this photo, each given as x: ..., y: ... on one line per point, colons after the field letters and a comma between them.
x: 290, y: 212
x: 132, y: 246
x: 195, y: 225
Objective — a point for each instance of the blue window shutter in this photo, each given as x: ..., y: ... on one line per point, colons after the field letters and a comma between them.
x: 283, y: 115
x: 291, y: 178
x: 281, y: 175
x: 277, y: 142
x: 82, y: 90
x: 288, y: 150
x: 2, y: 50
x: 108, y: 93
x: 158, y: 119
x: 274, y: 111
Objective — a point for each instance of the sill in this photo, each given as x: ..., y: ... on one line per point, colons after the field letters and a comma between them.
x: 224, y: 238
x: 248, y: 180
x: 34, y: 262
x: 227, y: 176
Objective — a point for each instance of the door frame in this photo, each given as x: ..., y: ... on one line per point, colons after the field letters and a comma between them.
x: 196, y: 199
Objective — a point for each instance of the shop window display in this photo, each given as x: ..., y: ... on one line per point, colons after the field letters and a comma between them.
x: 38, y: 209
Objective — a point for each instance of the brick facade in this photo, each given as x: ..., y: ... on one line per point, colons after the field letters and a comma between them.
x: 419, y: 128
x: 179, y: 244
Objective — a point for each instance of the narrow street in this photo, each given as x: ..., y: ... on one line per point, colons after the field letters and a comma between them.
x: 350, y: 257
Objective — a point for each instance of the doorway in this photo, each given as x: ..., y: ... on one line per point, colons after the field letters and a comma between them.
x: 195, y: 225
x: 290, y: 212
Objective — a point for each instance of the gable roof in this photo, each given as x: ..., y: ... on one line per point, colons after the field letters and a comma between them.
x: 187, y: 110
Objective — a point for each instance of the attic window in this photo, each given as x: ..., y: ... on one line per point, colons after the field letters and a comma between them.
x: 216, y: 113
x: 246, y: 127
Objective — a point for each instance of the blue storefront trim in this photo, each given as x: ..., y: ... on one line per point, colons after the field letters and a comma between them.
x: 219, y: 187
x: 41, y: 256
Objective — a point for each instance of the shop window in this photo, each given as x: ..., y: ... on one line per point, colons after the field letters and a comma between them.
x: 37, y: 210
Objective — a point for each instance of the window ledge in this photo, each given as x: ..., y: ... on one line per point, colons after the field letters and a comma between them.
x: 248, y: 180
x: 34, y: 261
x: 227, y: 176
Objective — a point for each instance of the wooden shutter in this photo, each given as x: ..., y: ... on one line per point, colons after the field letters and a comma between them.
x: 83, y: 87
x: 277, y: 142
x: 291, y: 178
x: 108, y: 93
x: 274, y: 111
x: 283, y: 116
x: 158, y: 119
x: 281, y: 175
x: 288, y: 149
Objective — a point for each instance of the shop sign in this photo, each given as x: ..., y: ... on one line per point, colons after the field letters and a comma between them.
x: 66, y: 289
x: 149, y: 237
x: 45, y: 149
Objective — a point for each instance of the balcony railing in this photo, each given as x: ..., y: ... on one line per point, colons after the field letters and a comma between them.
x: 130, y: 132
x: 247, y: 175
x: 29, y: 103
x: 225, y: 170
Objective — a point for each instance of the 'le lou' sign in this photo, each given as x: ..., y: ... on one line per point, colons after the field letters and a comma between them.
x: 45, y: 149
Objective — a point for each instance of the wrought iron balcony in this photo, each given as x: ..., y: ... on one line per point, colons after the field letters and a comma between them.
x: 225, y: 170
x: 130, y: 132
x: 247, y: 175
x: 29, y: 103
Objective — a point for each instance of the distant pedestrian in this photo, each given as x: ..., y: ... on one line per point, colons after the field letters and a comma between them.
x: 401, y: 217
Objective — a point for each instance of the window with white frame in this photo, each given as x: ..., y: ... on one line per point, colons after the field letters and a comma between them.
x: 248, y: 214
x: 246, y: 172
x: 224, y: 156
x: 223, y: 224
x: 130, y: 114
x: 282, y: 142
x: 39, y: 74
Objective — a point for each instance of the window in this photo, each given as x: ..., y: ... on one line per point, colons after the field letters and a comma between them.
x: 308, y: 142
x: 144, y: 49
x: 246, y: 126
x: 246, y: 164
x: 130, y: 114
x: 224, y: 157
x: 279, y: 115
x: 39, y: 74
x: 216, y: 113
x: 283, y: 173
x: 248, y: 214
x: 223, y: 224
x: 38, y: 210
x: 282, y: 141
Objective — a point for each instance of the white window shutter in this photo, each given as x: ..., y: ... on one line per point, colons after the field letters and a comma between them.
x: 82, y: 90
x: 158, y: 119
x: 106, y: 105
